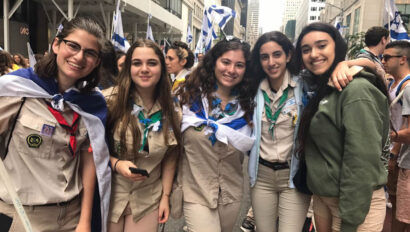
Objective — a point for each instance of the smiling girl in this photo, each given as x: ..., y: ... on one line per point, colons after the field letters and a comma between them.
x: 143, y: 130
x: 217, y: 110
x: 53, y: 115
x: 342, y: 136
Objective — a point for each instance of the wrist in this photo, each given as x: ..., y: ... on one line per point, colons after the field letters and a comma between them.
x: 166, y: 195
x: 115, y: 165
x: 393, y: 156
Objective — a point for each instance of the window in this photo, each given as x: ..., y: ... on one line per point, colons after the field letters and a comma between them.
x: 313, y: 8
x: 312, y: 18
x: 347, y: 23
x: 356, y: 20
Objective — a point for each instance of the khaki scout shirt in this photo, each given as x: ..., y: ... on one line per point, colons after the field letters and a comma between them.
x: 210, y: 174
x: 279, y: 148
x: 142, y: 196
x: 40, y: 166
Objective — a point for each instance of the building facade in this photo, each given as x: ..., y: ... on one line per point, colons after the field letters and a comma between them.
x: 252, y: 25
x: 308, y: 12
x: 289, y: 18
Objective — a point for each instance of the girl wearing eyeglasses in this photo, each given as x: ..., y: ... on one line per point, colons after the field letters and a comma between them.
x: 143, y: 131
x: 342, y: 136
x: 52, y: 128
x: 216, y: 126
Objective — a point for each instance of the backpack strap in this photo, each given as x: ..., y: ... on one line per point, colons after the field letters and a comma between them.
x: 12, y: 128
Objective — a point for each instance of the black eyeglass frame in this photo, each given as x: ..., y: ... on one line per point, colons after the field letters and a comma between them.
x: 77, y: 48
x: 388, y: 57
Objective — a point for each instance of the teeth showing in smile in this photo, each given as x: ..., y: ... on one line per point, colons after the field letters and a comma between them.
x: 318, y: 62
x: 75, y: 65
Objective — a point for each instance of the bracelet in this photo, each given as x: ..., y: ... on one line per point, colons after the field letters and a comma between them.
x: 115, y: 165
x: 166, y: 194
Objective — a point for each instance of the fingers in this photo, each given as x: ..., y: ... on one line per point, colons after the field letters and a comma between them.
x: 163, y: 216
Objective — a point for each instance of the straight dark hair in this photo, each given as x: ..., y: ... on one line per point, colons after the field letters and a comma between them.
x: 47, y: 67
x: 323, y: 89
x: 255, y: 66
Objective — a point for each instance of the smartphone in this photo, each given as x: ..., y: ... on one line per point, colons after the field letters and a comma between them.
x: 139, y: 171
x: 5, y: 222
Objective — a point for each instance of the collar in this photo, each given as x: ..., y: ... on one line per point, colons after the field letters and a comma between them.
x: 155, y: 108
x: 287, y: 82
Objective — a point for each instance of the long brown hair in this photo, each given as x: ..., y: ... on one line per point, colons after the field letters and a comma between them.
x: 202, y: 80
x: 120, y: 106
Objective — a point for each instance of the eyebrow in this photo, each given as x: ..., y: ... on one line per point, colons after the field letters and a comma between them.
x: 316, y: 42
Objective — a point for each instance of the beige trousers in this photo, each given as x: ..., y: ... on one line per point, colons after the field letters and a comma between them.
x: 45, y: 218
x: 272, y: 199
x: 199, y: 218
x: 326, y: 209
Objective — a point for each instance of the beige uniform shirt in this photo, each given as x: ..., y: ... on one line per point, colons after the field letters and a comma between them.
x: 143, y: 196
x: 279, y: 148
x: 210, y: 174
x: 40, y: 165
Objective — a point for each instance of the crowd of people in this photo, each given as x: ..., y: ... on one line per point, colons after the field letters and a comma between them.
x: 97, y: 140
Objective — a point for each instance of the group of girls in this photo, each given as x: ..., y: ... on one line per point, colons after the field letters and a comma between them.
x: 226, y: 107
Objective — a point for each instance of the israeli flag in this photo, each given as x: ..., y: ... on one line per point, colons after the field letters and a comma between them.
x: 219, y: 15
x: 118, y: 39
x: 189, y: 35
x: 339, y: 26
x: 150, y: 36
x: 31, y: 57
x: 393, y: 21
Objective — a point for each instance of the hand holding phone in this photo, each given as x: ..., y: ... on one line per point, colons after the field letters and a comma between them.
x: 139, y: 171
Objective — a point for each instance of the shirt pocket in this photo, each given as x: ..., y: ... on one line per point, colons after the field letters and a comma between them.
x: 31, y: 141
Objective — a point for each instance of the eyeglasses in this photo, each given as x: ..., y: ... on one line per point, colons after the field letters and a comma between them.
x: 75, y: 48
x: 387, y: 57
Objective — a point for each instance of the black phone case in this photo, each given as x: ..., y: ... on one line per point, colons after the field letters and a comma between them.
x: 139, y: 171
x: 5, y: 222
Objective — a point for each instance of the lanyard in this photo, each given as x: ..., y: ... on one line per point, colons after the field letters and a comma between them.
x: 71, y: 129
x: 268, y: 110
x: 149, y: 123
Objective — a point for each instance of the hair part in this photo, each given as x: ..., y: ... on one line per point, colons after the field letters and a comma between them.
x: 48, y: 68
x: 202, y: 80
x: 120, y: 106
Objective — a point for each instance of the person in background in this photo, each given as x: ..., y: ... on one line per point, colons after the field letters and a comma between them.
x: 120, y: 58
x: 57, y: 113
x: 20, y: 60
x: 395, y: 59
x: 349, y: 144
x: 143, y: 131
x: 109, y: 65
x: 5, y: 65
x: 179, y: 60
x: 216, y: 125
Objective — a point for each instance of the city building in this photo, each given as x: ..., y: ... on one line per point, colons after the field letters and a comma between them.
x: 308, y: 12
x: 234, y: 27
x: 252, y: 25
x: 291, y: 9
x: 170, y: 19
x: 359, y: 15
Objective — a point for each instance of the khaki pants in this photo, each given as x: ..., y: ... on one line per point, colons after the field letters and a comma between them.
x: 327, y: 208
x: 199, y: 218
x: 45, y: 218
x: 272, y: 198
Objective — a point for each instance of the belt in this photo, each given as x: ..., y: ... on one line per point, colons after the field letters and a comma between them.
x: 274, y: 165
x: 60, y: 204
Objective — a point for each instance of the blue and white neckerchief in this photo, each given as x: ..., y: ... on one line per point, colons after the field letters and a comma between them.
x: 92, y: 108
x: 217, y: 111
x: 231, y: 129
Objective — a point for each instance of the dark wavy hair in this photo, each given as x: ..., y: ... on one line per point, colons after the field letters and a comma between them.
x: 256, y: 68
x: 47, y: 67
x: 120, y: 106
x: 202, y: 80
x: 183, y: 52
x: 322, y: 88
